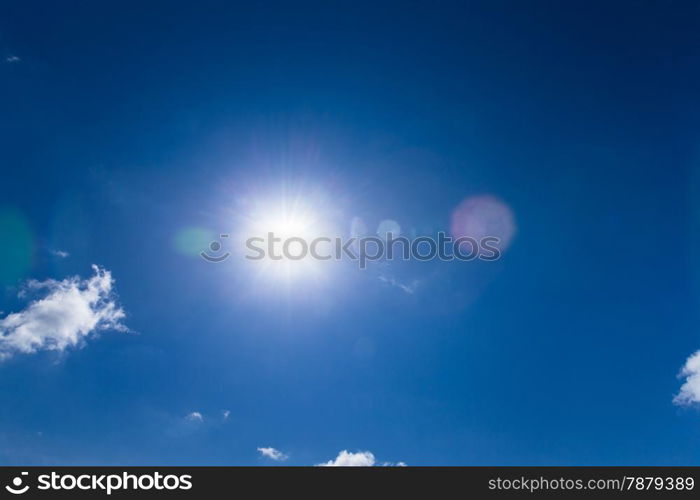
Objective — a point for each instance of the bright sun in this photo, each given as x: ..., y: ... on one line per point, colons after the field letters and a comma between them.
x: 284, y: 228
x: 288, y: 224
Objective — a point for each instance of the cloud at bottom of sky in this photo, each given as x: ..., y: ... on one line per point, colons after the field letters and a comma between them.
x: 195, y: 416
x: 358, y: 459
x: 68, y: 312
x: 273, y: 454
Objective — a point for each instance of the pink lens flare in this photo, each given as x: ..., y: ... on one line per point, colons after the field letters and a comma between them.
x: 481, y: 216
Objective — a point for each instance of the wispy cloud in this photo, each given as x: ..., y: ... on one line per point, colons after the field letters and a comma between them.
x: 225, y: 414
x: 690, y: 390
x: 408, y: 288
x: 70, y: 311
x: 273, y: 454
x: 12, y: 59
x: 59, y: 253
x: 195, y: 416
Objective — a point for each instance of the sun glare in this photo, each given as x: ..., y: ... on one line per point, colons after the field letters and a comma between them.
x: 288, y: 225
x: 282, y: 228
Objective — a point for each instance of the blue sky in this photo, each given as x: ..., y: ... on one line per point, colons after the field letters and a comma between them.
x: 127, y: 127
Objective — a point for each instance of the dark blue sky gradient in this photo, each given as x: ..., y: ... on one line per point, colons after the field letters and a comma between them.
x: 123, y: 123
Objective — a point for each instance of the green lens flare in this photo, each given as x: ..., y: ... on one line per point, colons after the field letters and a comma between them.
x: 193, y: 240
x: 16, y: 246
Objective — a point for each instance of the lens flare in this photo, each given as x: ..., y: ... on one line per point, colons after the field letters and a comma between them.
x: 482, y: 216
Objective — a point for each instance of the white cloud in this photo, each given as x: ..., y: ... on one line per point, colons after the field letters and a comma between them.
x: 70, y: 311
x: 690, y: 390
x: 225, y: 414
x: 12, y: 59
x: 273, y: 454
x: 60, y: 253
x: 195, y: 416
x: 347, y: 459
x: 359, y: 459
